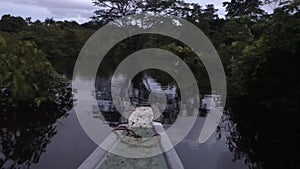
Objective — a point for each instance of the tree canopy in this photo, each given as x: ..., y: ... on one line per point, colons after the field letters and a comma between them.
x: 260, y: 53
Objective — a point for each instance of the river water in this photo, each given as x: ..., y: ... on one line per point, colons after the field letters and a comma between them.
x: 46, y: 142
x: 40, y: 143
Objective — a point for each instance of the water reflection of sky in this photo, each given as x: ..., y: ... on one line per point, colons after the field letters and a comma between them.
x: 213, y: 154
x: 71, y: 146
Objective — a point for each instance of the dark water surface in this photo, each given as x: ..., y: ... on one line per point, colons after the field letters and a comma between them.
x: 62, y: 143
x: 47, y: 141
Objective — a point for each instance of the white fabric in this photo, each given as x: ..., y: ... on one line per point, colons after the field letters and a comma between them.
x: 141, y: 117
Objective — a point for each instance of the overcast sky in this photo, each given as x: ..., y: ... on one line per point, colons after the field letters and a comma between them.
x: 79, y: 10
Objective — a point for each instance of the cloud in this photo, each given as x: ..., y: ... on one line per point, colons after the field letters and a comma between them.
x: 62, y: 4
x: 79, y: 10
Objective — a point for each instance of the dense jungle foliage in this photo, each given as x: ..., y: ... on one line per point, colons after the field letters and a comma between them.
x: 256, y: 48
x: 259, y: 51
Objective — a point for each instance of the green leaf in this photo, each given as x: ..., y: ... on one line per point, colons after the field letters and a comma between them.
x: 38, y: 102
x: 35, y: 86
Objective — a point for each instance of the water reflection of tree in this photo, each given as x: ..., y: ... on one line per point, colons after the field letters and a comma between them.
x: 139, y: 91
x: 264, y: 138
x: 24, y: 135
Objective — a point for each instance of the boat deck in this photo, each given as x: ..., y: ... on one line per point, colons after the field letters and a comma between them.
x: 126, y: 152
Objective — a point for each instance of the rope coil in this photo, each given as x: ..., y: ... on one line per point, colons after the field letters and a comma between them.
x: 138, y: 138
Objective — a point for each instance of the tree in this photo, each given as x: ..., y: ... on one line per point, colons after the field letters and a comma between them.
x: 49, y: 21
x: 244, y: 8
x: 209, y: 12
x: 112, y: 9
x: 12, y: 24
x: 27, y: 78
x: 266, y: 73
x: 28, y: 20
